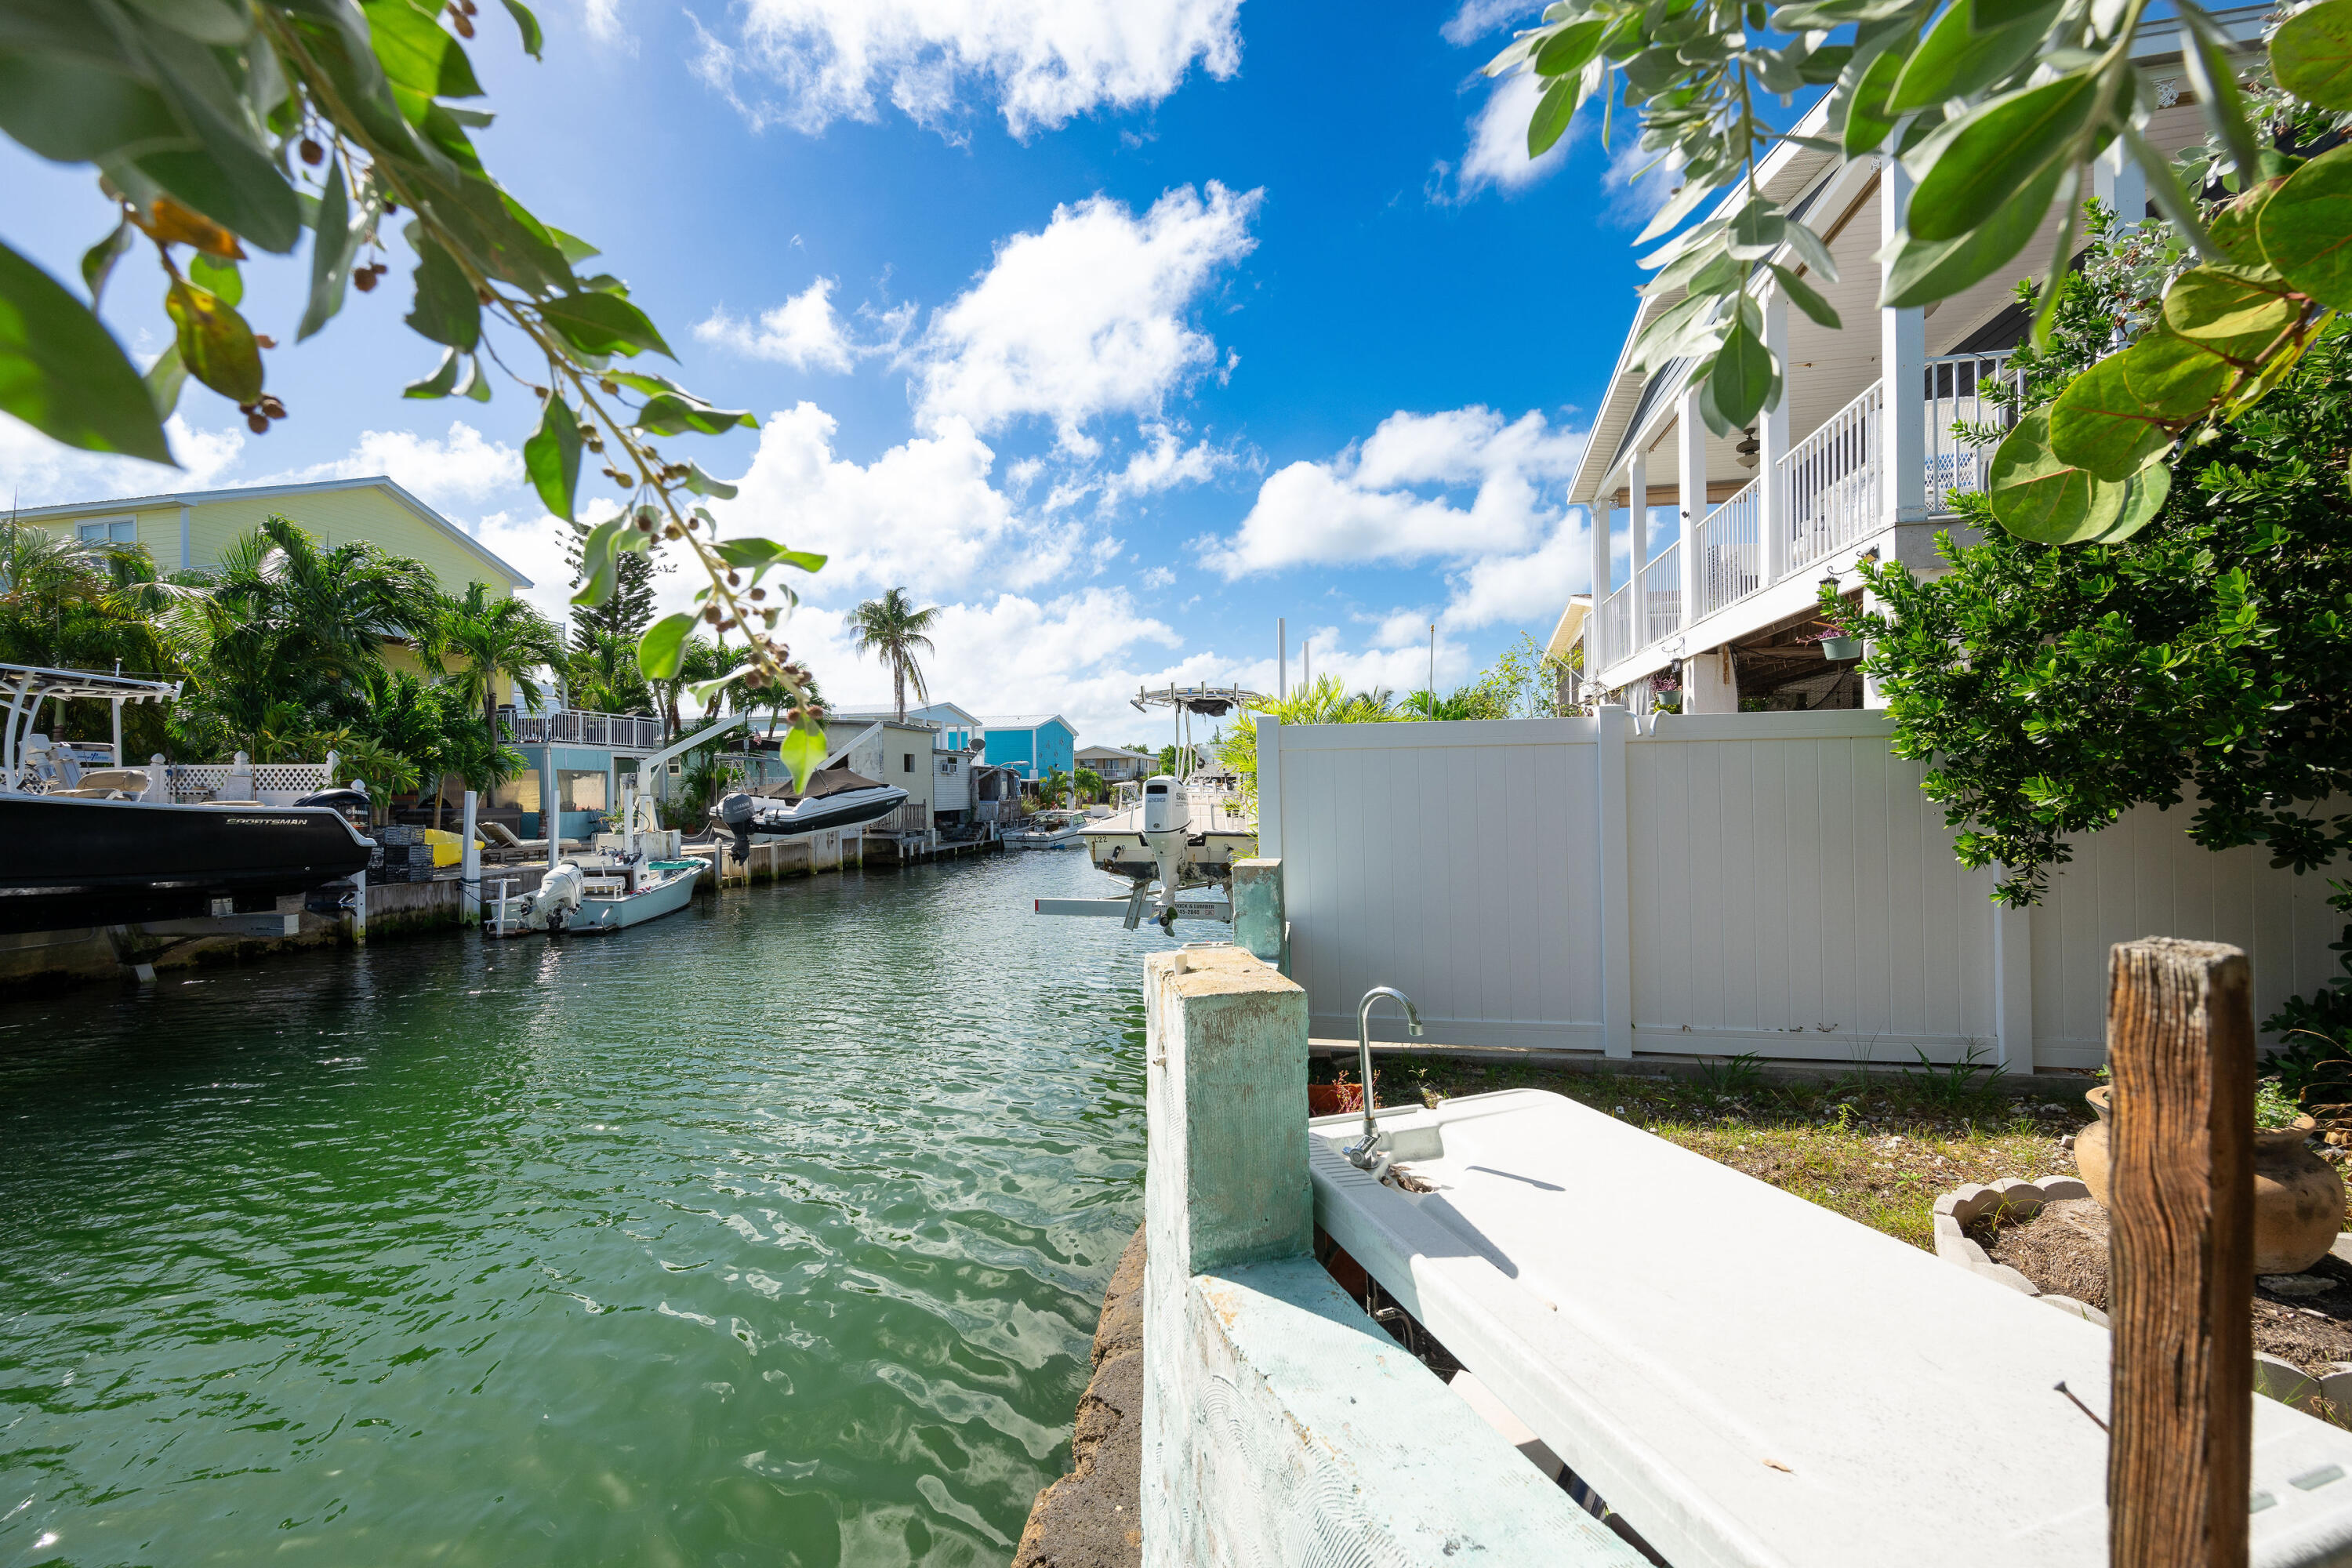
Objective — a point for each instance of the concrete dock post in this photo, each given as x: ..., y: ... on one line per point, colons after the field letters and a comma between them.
x: 159, y: 779
x: 470, y: 897
x: 1260, y: 926
x: 358, y: 908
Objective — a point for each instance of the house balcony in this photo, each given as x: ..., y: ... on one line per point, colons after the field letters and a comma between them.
x: 636, y: 733
x: 1829, y: 500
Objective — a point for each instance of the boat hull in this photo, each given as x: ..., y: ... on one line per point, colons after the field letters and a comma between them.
x: 70, y: 863
x: 761, y: 820
x: 634, y: 909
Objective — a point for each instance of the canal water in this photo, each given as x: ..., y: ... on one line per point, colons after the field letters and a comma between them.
x: 772, y: 1233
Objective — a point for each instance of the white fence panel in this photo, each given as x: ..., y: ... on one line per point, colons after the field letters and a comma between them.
x: 1790, y: 892
x: 1452, y: 861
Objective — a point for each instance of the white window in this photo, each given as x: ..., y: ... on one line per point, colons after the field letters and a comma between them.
x: 110, y: 530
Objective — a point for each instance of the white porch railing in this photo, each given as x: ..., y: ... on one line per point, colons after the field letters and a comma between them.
x: 1730, y: 545
x: 1617, y: 625
x: 1662, y: 595
x: 1960, y: 391
x: 270, y: 783
x: 1830, y: 483
x: 572, y: 727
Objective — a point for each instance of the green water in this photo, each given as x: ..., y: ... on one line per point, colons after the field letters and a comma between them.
x: 770, y: 1232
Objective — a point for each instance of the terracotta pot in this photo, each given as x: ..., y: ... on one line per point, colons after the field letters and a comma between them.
x: 1330, y: 1098
x: 2298, y: 1196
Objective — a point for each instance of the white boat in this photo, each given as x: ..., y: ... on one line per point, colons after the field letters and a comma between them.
x: 835, y: 797
x: 1216, y: 827
x: 600, y: 889
x: 1048, y: 830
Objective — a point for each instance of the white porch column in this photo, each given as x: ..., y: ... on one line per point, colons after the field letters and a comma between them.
x: 1772, y: 439
x: 1604, y: 505
x: 1903, y: 368
x: 2116, y: 180
x: 1690, y: 462
x: 1637, y: 548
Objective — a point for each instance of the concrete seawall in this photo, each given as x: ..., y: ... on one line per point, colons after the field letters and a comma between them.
x: 1091, y: 1518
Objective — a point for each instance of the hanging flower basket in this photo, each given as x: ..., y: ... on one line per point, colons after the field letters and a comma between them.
x: 1841, y: 647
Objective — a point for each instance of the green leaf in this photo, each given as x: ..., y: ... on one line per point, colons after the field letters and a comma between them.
x: 2098, y: 424
x: 97, y: 261
x: 603, y: 324
x: 802, y: 750
x: 2310, y: 53
x: 220, y: 278
x: 478, y: 381
x: 1868, y: 119
x: 1568, y: 49
x: 2222, y: 305
x: 1956, y: 60
x: 702, y: 484
x: 598, y: 565
x: 63, y: 373
x: 1742, y: 379
x: 499, y: 235
x: 704, y: 690
x: 447, y: 311
x: 1801, y: 294
x: 2214, y: 79
x: 206, y: 21
x: 2233, y: 228
x: 551, y: 456
x: 1758, y: 229
x: 164, y: 380
x: 215, y: 344
x: 662, y: 649
x: 440, y: 383
x: 2041, y: 498
x: 758, y: 554
x: 2144, y: 495
x: 420, y: 59
x: 669, y: 413
x: 2306, y: 228
x: 1554, y: 109
x: 575, y: 249
x: 533, y: 40
x: 1680, y: 205
x: 76, y: 112
x: 334, y: 244
x: 1999, y: 148
x: 1920, y: 272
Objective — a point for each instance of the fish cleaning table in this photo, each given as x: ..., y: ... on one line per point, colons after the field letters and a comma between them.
x: 1755, y: 1382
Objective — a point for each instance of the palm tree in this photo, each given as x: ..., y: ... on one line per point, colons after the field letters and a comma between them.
x: 605, y: 674
x: 493, y: 637
x: 893, y: 629
x: 703, y: 660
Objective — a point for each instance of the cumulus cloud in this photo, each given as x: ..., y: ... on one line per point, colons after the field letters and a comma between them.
x: 1396, y: 496
x: 36, y: 471
x: 1166, y: 463
x: 924, y: 514
x: 1497, y: 155
x: 1476, y: 18
x: 802, y: 333
x: 1085, y: 317
x: 1529, y: 586
x: 1039, y: 62
x: 461, y: 467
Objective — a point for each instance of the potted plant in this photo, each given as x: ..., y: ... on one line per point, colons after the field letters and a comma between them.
x: 2298, y: 1196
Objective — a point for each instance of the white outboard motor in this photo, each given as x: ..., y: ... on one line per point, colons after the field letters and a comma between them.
x: 1167, y: 824
x: 549, y: 907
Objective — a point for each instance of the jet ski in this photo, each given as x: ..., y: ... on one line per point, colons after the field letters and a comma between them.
x: 835, y: 797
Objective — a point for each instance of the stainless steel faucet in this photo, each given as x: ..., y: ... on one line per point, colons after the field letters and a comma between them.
x: 1361, y: 1154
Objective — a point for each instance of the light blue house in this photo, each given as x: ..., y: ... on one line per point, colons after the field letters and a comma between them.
x: 957, y: 730
x: 1031, y: 744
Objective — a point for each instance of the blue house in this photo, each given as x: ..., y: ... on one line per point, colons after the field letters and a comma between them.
x: 1031, y: 744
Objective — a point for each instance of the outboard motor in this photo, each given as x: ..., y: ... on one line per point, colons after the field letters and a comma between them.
x: 558, y: 898
x: 735, y: 811
x: 1167, y: 824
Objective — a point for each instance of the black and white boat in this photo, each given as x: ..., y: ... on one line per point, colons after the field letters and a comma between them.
x: 111, y: 848
x: 835, y: 797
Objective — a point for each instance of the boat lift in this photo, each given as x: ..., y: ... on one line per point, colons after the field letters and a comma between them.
x: 24, y: 688
x: 1184, y: 701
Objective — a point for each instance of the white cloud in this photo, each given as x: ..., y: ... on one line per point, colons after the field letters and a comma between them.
x: 1498, y: 153
x: 36, y: 471
x: 462, y: 467
x: 923, y: 514
x: 1086, y: 318
x: 1166, y: 463
x: 1156, y: 577
x: 803, y: 332
x: 533, y: 542
x: 1479, y: 17
x: 1393, y: 497
x: 1533, y: 586
x: 1042, y: 62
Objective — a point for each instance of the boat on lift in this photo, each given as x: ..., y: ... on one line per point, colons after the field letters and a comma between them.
x: 835, y: 797
x: 109, y: 846
x: 620, y: 884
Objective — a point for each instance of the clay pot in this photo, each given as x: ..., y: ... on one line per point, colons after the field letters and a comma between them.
x: 2298, y: 1196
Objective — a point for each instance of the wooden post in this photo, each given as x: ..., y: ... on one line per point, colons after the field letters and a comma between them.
x: 2180, y: 1044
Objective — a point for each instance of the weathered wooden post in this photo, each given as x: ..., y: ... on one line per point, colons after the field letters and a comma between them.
x: 2180, y: 1045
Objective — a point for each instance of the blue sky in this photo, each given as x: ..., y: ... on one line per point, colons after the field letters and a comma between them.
x: 1119, y: 328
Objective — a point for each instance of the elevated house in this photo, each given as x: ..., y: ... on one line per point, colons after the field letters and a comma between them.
x: 1708, y: 551
x: 1032, y: 744
x: 1117, y: 764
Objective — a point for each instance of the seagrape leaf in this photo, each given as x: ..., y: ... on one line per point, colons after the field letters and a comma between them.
x: 2100, y: 425
x: 334, y: 245
x: 2143, y: 496
x: 598, y: 567
x: 801, y: 749
x: 2306, y: 228
x: 165, y: 379
x: 206, y: 21
x: 97, y: 261
x: 533, y: 40
x: 1956, y: 58
x: 440, y: 383
x: 447, y: 310
x: 2310, y: 53
x: 62, y: 373
x: 551, y: 456
x: 2038, y: 496
x: 670, y: 413
x: 221, y: 278
x: 75, y: 112
x: 757, y: 554
x: 2246, y: 305
x: 702, y: 484
x: 215, y: 344
x: 662, y: 649
x: 602, y: 324
x: 1999, y: 148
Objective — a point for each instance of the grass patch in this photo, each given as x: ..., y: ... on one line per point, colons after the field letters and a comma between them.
x: 1877, y: 1148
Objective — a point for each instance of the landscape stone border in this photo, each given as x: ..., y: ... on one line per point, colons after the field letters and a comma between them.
x: 2018, y: 1199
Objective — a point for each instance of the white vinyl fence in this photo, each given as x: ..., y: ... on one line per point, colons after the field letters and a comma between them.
x: 1717, y: 884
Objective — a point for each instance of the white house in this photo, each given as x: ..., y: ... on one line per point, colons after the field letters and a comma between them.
x: 1117, y: 764
x: 1729, y: 539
